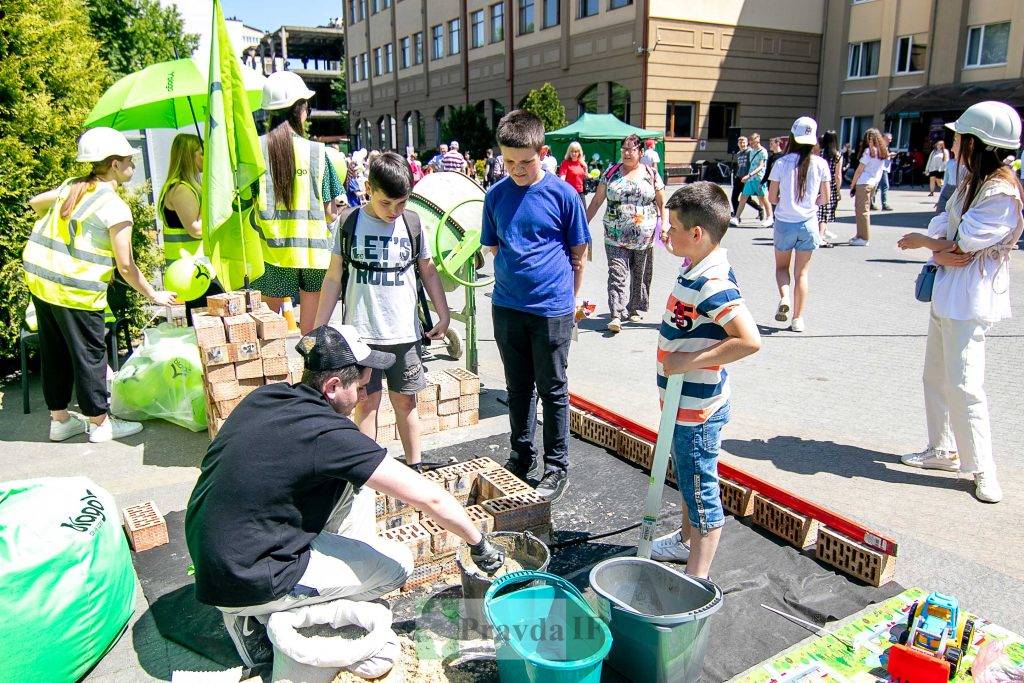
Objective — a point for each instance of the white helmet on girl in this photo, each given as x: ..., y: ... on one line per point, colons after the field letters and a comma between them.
x: 997, y: 124
x: 282, y: 89
x: 97, y: 144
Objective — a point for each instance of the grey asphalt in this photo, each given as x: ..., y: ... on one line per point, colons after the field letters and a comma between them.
x: 824, y: 413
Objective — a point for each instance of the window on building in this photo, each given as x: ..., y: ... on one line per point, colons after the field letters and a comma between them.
x: 721, y: 117
x: 589, y: 8
x: 410, y: 130
x: 853, y: 128
x: 355, y: 69
x: 476, y: 28
x: 366, y: 65
x: 362, y: 15
x: 353, y: 11
x: 497, y: 111
x: 616, y: 4
x: 387, y: 3
x: 498, y: 22
x: 417, y: 48
x: 405, y: 52
x: 910, y: 55
x: 438, y: 122
x: 376, y: 6
x: 526, y: 11
x: 900, y: 131
x: 378, y: 62
x: 586, y: 102
x: 619, y: 101
x: 389, y: 58
x: 987, y: 45
x: 437, y: 42
x: 679, y: 117
x: 552, y: 13
x: 454, y: 36
x: 863, y: 59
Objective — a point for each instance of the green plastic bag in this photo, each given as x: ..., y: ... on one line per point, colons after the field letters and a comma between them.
x: 163, y: 379
x: 67, y: 578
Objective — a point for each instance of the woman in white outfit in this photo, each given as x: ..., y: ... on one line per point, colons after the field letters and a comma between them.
x: 971, y: 242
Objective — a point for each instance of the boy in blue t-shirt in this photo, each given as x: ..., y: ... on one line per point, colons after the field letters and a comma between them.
x: 536, y: 227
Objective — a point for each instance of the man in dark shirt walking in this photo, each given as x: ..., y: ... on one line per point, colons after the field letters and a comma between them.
x: 283, y: 512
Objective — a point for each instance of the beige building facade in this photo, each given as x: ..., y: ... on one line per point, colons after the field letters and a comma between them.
x: 695, y: 70
x: 908, y: 66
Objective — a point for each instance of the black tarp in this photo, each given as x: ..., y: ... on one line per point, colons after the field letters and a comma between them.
x: 957, y: 96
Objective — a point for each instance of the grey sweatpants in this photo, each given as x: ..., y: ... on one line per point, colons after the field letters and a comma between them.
x: 629, y: 280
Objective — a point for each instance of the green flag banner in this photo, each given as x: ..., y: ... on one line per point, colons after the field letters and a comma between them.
x: 232, y: 162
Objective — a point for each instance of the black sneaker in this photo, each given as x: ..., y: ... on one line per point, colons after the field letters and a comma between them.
x: 886, y: 207
x: 552, y: 485
x: 518, y: 468
x: 250, y: 639
x: 417, y: 467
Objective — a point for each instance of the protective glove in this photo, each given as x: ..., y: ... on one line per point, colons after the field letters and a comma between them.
x: 487, y: 556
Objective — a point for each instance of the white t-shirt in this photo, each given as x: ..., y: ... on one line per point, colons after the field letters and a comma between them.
x: 873, y: 169
x: 791, y: 208
x: 114, y: 212
x: 382, y: 305
x: 650, y: 157
x: 549, y: 164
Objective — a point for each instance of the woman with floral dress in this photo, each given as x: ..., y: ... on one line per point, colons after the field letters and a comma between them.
x: 636, y: 209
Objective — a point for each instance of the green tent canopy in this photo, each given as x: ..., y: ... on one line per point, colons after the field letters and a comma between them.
x: 602, y: 134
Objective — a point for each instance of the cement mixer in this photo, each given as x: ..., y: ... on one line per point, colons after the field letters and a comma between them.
x: 450, y: 206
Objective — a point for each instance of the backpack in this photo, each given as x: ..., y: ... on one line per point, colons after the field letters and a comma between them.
x: 415, y: 228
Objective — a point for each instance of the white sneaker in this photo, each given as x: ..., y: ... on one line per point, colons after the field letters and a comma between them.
x: 933, y: 459
x: 858, y: 242
x: 782, y: 312
x: 734, y: 221
x: 636, y: 318
x: 670, y: 548
x: 797, y: 325
x: 614, y: 325
x: 73, y: 426
x: 767, y: 222
x: 830, y: 235
x: 986, y: 487
x: 113, y: 428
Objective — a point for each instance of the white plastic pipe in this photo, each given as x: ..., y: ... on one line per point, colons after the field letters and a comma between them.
x: 662, y: 451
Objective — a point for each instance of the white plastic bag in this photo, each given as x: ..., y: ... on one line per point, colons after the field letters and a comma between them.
x: 302, y: 659
x: 162, y: 379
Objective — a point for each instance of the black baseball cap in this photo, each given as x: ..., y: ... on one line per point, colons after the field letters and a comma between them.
x: 333, y: 348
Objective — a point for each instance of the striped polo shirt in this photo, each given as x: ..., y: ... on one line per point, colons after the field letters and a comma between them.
x: 704, y: 299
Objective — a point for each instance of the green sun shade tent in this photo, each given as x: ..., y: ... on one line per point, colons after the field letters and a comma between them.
x: 601, y: 134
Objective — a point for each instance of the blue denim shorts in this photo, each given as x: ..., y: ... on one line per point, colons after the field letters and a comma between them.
x: 695, y: 450
x: 800, y: 236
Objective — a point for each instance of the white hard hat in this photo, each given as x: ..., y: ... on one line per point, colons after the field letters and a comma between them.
x: 805, y: 131
x: 283, y: 89
x: 997, y: 124
x: 96, y: 144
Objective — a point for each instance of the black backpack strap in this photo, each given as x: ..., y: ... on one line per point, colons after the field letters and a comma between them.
x: 415, y: 227
x: 346, y: 234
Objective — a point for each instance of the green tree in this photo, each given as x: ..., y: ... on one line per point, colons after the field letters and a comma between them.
x: 51, y: 75
x: 339, y: 98
x: 133, y: 34
x: 544, y: 102
x: 469, y: 126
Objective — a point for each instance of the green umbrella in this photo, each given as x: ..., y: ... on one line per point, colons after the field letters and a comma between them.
x: 163, y: 95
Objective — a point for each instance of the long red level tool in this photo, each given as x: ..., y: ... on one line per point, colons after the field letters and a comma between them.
x: 829, y: 518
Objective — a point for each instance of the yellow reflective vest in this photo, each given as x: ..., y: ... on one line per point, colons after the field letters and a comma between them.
x: 299, y: 237
x: 69, y: 261
x: 177, y: 241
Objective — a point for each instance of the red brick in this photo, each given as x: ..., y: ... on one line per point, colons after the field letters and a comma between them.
x: 249, y: 369
x: 469, y: 402
x: 240, y: 328
x: 470, y: 417
x: 270, y: 325
x: 220, y: 373
x: 276, y: 365
x: 447, y: 386
x: 224, y: 391
x: 468, y: 382
x: 518, y: 511
x: 450, y: 407
x: 145, y: 526
x: 224, y: 305
x: 209, y: 330
x: 272, y: 348
x: 413, y: 536
x: 446, y: 422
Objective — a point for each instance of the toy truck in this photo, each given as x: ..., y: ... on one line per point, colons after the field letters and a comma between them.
x: 934, y: 642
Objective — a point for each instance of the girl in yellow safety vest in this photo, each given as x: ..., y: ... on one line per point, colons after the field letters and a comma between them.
x: 179, y: 204
x: 295, y: 202
x: 83, y: 233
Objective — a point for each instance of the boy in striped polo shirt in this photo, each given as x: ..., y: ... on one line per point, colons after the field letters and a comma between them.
x: 705, y: 326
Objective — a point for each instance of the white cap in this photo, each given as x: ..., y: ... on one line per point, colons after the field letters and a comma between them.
x: 805, y: 131
x: 997, y: 124
x: 282, y: 89
x: 97, y: 144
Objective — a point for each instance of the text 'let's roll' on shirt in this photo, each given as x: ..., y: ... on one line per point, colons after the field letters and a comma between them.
x: 705, y: 298
x: 382, y: 304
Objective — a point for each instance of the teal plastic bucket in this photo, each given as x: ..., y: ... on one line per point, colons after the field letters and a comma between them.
x: 545, y: 632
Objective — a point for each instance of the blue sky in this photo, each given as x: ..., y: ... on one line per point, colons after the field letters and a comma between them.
x: 270, y: 14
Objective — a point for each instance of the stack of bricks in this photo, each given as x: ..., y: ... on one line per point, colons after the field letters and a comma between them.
x: 451, y: 399
x: 242, y: 347
x: 501, y: 502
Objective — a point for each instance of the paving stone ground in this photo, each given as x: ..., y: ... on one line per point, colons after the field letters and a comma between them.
x: 825, y: 414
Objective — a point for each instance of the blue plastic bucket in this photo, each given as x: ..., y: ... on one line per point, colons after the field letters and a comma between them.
x: 545, y: 632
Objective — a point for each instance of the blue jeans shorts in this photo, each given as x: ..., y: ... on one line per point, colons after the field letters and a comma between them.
x: 799, y: 236
x: 695, y: 450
